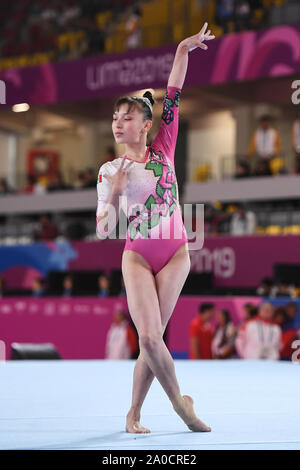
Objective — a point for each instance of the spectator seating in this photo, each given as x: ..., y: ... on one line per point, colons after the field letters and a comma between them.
x: 25, y: 42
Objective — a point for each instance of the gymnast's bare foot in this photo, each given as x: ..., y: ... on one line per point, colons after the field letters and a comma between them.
x: 133, y: 423
x: 184, y: 407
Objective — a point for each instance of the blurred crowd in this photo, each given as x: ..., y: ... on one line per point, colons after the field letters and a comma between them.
x: 278, y: 288
x: 32, y: 27
x: 55, y: 182
x: 264, y: 148
x: 241, y: 15
x: 234, y: 219
x: 267, y: 332
x: 106, y: 287
x: 84, y: 179
x: 72, y: 29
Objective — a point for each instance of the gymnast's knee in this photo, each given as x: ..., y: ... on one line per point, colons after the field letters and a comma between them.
x: 149, y: 341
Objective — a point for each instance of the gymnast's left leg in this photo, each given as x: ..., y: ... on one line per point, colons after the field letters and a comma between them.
x: 172, y: 275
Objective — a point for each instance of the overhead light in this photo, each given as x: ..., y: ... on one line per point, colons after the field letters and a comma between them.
x: 20, y: 107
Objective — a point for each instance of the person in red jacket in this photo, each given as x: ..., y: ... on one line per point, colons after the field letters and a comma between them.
x: 201, y: 333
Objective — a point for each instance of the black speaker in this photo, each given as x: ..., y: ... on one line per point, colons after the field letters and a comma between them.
x: 198, y: 283
x: 287, y: 272
x: 33, y: 351
x: 115, y: 281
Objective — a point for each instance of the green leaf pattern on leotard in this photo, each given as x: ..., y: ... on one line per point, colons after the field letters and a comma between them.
x: 162, y: 203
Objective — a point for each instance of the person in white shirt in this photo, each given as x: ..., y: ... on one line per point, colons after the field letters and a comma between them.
x: 265, y: 144
x: 260, y: 338
x: 265, y: 141
x: 120, y: 341
x: 242, y: 222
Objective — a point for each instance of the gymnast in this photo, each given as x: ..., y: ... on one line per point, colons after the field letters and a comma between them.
x: 154, y: 266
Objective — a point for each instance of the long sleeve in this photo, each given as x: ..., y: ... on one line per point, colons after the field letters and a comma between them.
x: 167, y: 134
x: 103, y: 188
x: 103, y: 193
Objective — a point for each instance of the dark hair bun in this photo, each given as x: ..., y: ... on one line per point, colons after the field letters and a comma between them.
x: 148, y: 95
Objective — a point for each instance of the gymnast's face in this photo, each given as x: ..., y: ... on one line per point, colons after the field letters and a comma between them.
x: 128, y: 125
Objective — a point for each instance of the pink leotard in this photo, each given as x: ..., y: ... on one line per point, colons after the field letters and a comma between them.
x: 151, y: 185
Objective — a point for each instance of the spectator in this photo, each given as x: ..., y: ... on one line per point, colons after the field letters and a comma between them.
x: 57, y: 183
x: 40, y: 185
x: 95, y: 39
x: 281, y: 289
x: 30, y: 185
x: 90, y: 179
x: 49, y: 14
x: 71, y: 13
x: 133, y: 29
x: 68, y: 287
x: 80, y: 181
x: 38, y: 288
x: 121, y: 340
x: 4, y: 187
x: 296, y: 289
x: 265, y: 144
x: 291, y: 309
x: 223, y: 340
x: 242, y: 13
x: 242, y: 169
x: 250, y: 310
x: 242, y: 222
x: 104, y: 285
x: 123, y: 289
x: 261, y: 338
x: 265, y: 287
x: 212, y: 219
x: 201, y: 333
x: 47, y: 230
x: 288, y: 335
x: 295, y: 141
x: 224, y: 13
x: 209, y: 220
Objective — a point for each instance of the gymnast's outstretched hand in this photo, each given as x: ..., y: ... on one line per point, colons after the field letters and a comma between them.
x: 197, y: 40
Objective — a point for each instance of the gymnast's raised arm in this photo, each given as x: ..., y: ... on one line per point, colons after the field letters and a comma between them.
x: 178, y: 72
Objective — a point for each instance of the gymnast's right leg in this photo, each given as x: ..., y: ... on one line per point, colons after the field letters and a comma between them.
x: 144, y: 309
x: 173, y: 274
